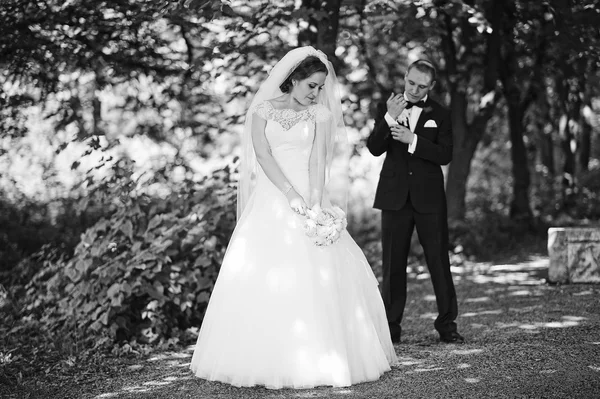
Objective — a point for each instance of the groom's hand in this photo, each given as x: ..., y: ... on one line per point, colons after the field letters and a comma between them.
x: 395, y: 105
x: 402, y: 134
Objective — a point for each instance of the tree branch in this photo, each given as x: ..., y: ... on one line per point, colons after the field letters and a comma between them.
x: 449, y: 49
x: 371, y: 68
x: 532, y: 91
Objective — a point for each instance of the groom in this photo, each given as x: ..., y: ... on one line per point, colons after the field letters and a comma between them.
x: 416, y: 134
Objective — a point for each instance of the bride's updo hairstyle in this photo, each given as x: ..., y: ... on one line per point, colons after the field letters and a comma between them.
x: 306, y: 68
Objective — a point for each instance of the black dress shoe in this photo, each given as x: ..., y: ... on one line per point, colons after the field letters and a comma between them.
x: 452, y: 338
x: 395, y: 338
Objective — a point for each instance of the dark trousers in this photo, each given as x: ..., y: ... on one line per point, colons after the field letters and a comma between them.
x: 432, y: 229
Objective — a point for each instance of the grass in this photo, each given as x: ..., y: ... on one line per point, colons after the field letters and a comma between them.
x: 525, y: 339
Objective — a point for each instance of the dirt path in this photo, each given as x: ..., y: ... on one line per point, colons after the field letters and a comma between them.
x: 525, y: 339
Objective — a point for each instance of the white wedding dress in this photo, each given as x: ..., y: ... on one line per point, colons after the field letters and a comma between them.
x: 284, y: 312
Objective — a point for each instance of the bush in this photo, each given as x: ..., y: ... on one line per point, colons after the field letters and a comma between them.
x: 145, y: 271
x: 26, y: 226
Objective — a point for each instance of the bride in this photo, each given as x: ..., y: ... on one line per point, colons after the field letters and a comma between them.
x: 285, y: 313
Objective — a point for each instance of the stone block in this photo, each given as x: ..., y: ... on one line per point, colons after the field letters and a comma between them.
x: 574, y: 254
x: 557, y: 252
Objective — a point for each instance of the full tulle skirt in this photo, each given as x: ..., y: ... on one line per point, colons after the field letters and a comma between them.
x: 286, y: 313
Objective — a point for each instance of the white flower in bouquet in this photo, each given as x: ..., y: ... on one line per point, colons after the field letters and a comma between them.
x: 310, y: 228
x: 323, y: 218
x: 322, y: 230
x: 339, y: 224
x: 311, y: 213
x: 335, y: 235
x: 339, y: 212
x: 320, y: 241
x: 324, y: 225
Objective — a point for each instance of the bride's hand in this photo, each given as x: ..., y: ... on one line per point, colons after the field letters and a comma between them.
x: 296, y: 202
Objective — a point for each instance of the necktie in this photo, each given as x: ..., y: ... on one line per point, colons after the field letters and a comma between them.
x: 419, y: 104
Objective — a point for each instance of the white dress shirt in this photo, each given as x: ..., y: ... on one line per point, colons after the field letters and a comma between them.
x: 413, y: 117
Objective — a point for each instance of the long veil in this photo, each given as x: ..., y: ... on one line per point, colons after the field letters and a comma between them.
x: 336, y: 168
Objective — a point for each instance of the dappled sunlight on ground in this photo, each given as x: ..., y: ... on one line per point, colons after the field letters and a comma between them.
x: 422, y: 370
x: 512, y: 297
x: 533, y: 271
x: 173, y: 358
x: 479, y: 299
x: 408, y: 361
x: 316, y: 393
x: 482, y: 312
x: 443, y: 358
x: 566, y: 321
x: 582, y: 293
x: 429, y: 298
x: 467, y: 351
x: 523, y: 337
x: 176, y: 365
x: 429, y: 315
x: 506, y: 278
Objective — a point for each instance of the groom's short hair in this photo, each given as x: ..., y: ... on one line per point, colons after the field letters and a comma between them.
x: 424, y: 66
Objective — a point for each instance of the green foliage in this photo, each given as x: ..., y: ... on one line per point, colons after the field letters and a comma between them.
x: 130, y: 257
x: 145, y: 271
x: 590, y: 183
x: 35, y: 229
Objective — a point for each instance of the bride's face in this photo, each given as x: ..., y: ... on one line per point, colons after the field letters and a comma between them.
x: 306, y: 91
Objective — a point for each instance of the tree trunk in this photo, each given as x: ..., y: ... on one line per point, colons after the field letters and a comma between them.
x: 467, y: 135
x: 521, y: 88
x: 519, y: 207
x: 568, y: 180
x: 323, y: 25
x: 465, y: 144
x: 544, y: 142
x: 547, y: 151
x: 585, y: 120
x: 458, y: 174
x: 567, y: 142
x: 585, y: 144
x: 327, y: 28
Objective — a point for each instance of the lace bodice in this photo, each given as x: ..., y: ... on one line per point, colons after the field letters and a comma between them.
x: 288, y: 118
x: 290, y: 136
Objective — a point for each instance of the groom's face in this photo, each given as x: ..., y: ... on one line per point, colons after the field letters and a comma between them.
x: 417, y: 85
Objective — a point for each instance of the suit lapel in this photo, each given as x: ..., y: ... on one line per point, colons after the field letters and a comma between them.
x: 426, y: 114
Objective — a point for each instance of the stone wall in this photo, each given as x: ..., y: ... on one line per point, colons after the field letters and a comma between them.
x: 574, y: 254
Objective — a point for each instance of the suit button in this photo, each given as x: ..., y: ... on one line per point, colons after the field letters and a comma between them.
x: 410, y: 173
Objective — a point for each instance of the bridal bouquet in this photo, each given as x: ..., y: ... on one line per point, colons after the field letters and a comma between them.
x: 324, y: 225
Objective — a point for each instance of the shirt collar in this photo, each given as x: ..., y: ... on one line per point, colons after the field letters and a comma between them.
x: 424, y: 99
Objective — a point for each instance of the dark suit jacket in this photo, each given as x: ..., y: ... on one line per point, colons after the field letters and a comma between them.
x: 419, y: 173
